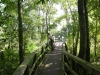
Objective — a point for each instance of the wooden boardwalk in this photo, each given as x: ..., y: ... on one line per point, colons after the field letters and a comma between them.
x: 53, y: 63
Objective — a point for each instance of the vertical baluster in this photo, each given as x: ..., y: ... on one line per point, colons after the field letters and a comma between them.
x: 26, y: 71
x: 42, y: 50
x: 34, y: 59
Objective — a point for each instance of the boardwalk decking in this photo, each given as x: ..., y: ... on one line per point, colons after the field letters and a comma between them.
x: 53, y: 63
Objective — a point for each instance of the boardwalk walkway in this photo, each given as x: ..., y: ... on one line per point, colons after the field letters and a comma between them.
x: 53, y: 63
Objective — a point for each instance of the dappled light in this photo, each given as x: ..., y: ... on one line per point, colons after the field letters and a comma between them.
x: 53, y: 64
x: 50, y: 37
x: 48, y: 65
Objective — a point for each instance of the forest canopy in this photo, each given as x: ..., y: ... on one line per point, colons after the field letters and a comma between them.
x: 24, y: 25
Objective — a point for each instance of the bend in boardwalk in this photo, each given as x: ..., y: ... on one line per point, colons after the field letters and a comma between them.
x: 53, y: 63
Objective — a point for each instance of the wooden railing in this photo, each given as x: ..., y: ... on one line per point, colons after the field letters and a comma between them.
x: 77, y: 66
x: 30, y: 64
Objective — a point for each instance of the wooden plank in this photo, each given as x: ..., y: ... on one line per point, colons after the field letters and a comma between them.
x: 34, y: 64
x: 70, y: 69
x: 85, y: 64
x: 21, y: 69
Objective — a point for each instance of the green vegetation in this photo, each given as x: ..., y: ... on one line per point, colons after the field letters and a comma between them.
x: 37, y: 17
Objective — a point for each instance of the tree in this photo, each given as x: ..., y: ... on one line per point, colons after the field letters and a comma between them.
x: 82, y: 26
x: 87, y: 32
x: 20, y: 30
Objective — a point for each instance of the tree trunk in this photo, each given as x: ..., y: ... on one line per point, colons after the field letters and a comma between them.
x: 76, y: 43
x: 82, y: 25
x: 87, y: 30
x: 47, y: 21
x: 21, y: 51
x: 95, y: 41
x: 95, y: 34
x: 74, y: 31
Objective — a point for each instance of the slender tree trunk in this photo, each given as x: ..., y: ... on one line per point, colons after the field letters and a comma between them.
x: 47, y: 21
x: 21, y: 51
x: 82, y: 25
x: 95, y: 41
x: 87, y: 30
x: 76, y: 43
x: 47, y: 24
x: 74, y: 30
x: 95, y: 36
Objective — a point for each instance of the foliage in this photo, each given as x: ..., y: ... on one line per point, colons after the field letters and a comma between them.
x: 35, y: 27
x: 33, y: 20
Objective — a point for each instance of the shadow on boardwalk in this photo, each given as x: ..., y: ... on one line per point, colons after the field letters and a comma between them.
x: 53, y: 63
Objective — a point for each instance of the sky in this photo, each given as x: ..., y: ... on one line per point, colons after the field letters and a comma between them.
x: 59, y: 12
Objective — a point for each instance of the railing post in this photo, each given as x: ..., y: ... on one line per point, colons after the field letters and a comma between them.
x: 30, y: 64
x: 66, y: 48
x: 65, y: 58
x: 42, y: 54
x: 73, y: 65
x: 26, y: 71
x: 34, y: 59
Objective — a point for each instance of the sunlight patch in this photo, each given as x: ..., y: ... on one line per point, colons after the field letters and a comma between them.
x: 47, y: 65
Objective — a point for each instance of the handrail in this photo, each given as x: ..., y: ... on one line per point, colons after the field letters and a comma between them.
x: 22, y: 68
x: 86, y: 65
